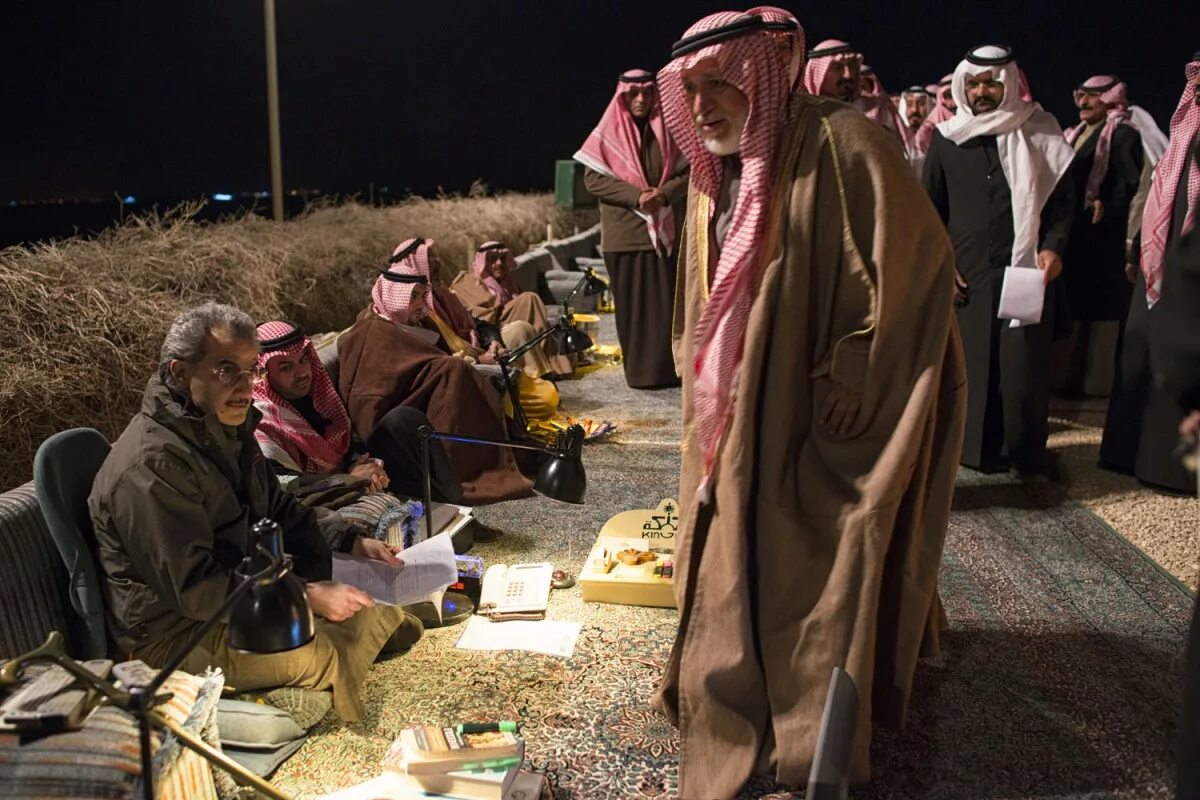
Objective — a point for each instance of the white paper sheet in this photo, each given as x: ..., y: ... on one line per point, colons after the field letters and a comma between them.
x: 549, y: 637
x: 428, y: 569
x: 1022, y: 296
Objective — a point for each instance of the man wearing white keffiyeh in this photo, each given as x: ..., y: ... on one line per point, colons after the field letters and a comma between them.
x: 997, y: 173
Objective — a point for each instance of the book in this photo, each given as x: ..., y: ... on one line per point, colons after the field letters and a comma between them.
x: 488, y: 784
x: 429, y: 749
x: 394, y: 786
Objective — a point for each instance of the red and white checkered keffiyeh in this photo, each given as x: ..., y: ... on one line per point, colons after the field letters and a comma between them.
x: 1118, y: 114
x: 750, y: 64
x: 283, y: 426
x: 504, y: 290
x: 1160, y: 205
x: 774, y: 16
x: 392, y: 300
x: 614, y: 149
x: 440, y: 302
x: 815, y: 69
x: 937, y: 115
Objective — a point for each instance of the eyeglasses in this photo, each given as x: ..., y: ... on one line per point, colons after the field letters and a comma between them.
x: 229, y: 375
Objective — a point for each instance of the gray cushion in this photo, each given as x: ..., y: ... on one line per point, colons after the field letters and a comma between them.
x: 255, y: 726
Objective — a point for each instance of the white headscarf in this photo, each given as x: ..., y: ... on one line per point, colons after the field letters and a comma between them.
x: 1153, y: 139
x: 1033, y: 152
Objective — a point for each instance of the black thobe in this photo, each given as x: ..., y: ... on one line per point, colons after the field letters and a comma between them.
x: 1008, y: 369
x: 1175, y: 348
x: 1094, y: 263
x: 1141, y: 430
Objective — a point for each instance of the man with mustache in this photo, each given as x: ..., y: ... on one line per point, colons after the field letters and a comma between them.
x: 640, y: 179
x: 997, y: 173
x: 835, y: 69
x: 1141, y: 430
x: 822, y: 413
x: 914, y: 106
x: 172, y: 508
x: 305, y: 430
x: 1106, y: 172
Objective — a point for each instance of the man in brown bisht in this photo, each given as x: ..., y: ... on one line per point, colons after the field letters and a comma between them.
x: 387, y: 360
x: 489, y: 291
x: 640, y: 179
x: 823, y: 406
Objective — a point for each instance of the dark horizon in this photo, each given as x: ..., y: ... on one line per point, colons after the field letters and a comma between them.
x: 169, y: 100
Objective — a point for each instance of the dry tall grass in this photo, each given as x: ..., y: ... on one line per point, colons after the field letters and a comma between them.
x: 81, y: 320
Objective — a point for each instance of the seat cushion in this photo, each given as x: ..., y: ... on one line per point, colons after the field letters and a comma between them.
x: 33, y: 580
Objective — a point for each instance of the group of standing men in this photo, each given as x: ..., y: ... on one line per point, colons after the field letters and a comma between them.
x: 827, y: 395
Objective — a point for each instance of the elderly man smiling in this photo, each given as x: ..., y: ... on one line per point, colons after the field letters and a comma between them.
x: 822, y: 410
x: 172, y: 507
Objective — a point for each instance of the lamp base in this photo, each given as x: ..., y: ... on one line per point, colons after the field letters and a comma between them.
x: 456, y: 608
x: 561, y: 579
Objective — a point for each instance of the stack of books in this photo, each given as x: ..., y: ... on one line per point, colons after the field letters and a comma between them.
x: 471, y: 761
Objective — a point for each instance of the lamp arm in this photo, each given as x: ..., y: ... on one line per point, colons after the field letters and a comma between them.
x: 425, y: 432
x: 171, y: 666
x: 582, y: 282
x: 512, y: 355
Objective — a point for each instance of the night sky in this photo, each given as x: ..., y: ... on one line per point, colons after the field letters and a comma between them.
x: 168, y: 99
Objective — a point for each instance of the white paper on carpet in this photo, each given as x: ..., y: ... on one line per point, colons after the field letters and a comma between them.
x: 550, y: 637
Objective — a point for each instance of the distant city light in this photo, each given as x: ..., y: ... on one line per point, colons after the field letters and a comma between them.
x: 128, y: 199
x: 222, y: 197
x: 262, y: 194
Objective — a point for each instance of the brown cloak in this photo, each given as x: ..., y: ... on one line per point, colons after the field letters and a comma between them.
x: 383, y: 366
x: 524, y: 307
x: 820, y: 550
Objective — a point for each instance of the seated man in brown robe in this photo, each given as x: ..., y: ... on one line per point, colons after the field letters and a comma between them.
x: 172, y: 508
x: 475, y: 339
x: 388, y: 359
x: 489, y: 291
x: 822, y: 415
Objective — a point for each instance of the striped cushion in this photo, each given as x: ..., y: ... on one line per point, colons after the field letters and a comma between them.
x: 102, y: 758
x: 33, y: 580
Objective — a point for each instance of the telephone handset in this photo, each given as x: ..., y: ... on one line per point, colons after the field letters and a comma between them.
x: 516, y: 591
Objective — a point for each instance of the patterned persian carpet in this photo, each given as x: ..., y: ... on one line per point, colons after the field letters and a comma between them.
x: 1060, y: 676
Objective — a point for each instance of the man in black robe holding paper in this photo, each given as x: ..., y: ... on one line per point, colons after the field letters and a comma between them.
x: 996, y: 172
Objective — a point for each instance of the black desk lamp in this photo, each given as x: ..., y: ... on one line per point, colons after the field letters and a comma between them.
x: 268, y: 613
x: 572, y: 340
x: 561, y: 477
x: 590, y: 284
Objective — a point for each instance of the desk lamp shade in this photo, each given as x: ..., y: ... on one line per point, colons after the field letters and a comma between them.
x: 562, y: 477
x: 274, y: 615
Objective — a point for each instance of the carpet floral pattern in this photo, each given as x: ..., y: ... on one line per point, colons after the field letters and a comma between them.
x: 1059, y: 678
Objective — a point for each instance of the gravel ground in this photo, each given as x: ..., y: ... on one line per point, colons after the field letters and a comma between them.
x: 1166, y: 528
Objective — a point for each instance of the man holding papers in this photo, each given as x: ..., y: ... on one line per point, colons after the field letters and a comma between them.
x: 997, y: 173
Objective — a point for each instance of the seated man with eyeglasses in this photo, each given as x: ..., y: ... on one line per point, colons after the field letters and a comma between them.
x: 172, y: 507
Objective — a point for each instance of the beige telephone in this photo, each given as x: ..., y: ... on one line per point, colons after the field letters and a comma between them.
x: 516, y: 591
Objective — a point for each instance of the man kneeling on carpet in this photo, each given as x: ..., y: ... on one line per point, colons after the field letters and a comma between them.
x: 172, y: 506
x: 305, y: 430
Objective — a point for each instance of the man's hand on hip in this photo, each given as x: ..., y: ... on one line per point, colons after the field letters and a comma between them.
x: 839, y: 409
x: 337, y: 602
